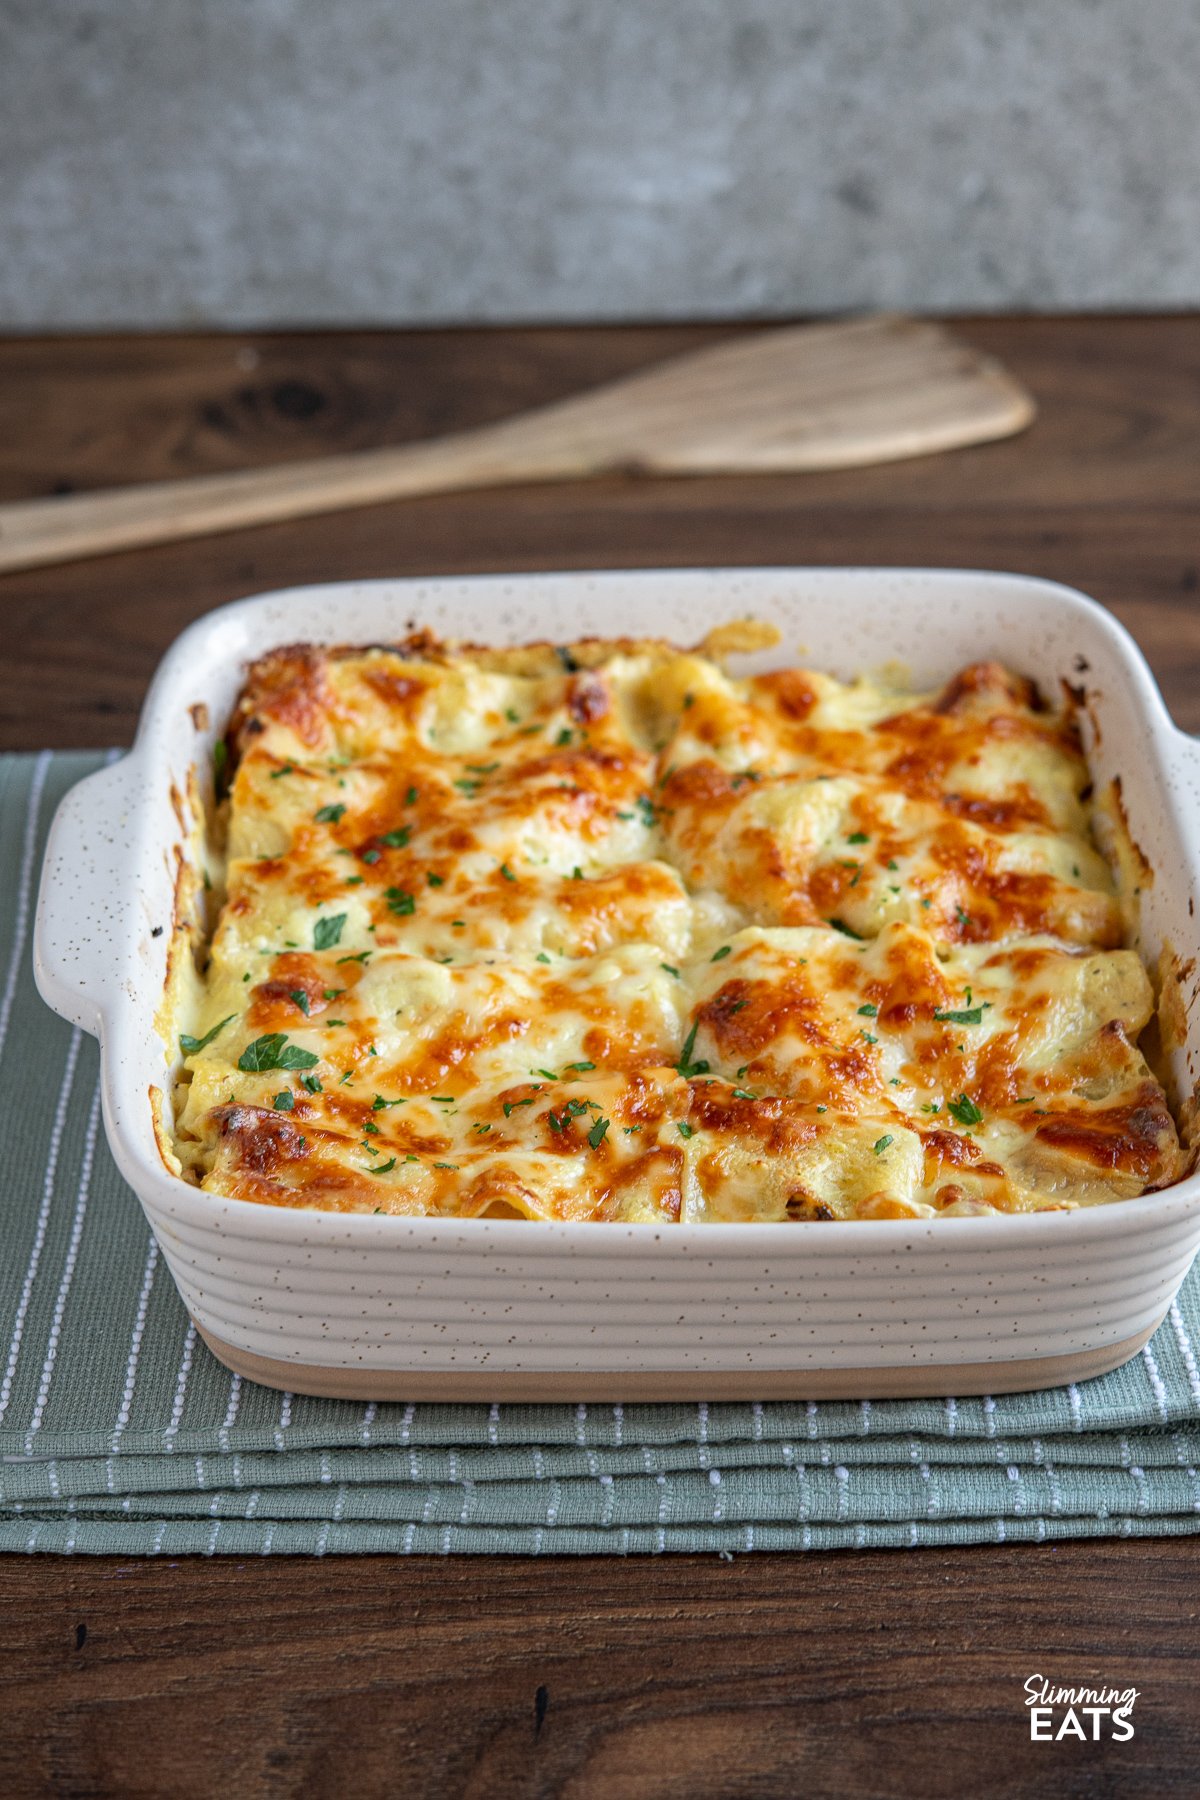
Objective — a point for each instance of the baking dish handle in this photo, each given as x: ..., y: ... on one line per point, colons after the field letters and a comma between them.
x: 87, y: 897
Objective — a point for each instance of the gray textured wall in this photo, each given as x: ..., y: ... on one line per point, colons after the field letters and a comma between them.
x: 170, y: 162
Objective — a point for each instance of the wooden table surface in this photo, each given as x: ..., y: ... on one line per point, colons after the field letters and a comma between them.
x: 849, y: 1674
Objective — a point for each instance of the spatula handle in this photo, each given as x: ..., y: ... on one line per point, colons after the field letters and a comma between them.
x: 34, y: 532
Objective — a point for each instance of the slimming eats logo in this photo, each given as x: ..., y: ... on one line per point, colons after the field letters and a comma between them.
x: 1050, y: 1723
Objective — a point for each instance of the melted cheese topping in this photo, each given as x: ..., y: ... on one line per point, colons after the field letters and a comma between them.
x: 603, y: 933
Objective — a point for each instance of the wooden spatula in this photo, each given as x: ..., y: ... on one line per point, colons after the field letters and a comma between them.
x: 805, y: 397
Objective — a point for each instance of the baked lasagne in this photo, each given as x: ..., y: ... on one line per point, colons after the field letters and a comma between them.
x: 599, y: 931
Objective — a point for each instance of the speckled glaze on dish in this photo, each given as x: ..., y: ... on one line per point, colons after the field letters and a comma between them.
x: 381, y: 1307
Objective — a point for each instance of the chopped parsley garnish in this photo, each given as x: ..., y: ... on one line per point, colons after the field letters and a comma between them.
x: 383, y: 1168
x: 301, y: 999
x: 329, y: 815
x: 869, y: 1038
x: 685, y: 1066
x: 541, y: 957
x: 396, y: 840
x: 361, y: 956
x: 744, y: 1094
x: 287, y: 769
x: 312, y: 1083
x: 507, y: 872
x: 1027, y: 1101
x: 581, y: 1068
x: 596, y: 1135
x: 881, y: 1144
x: 443, y: 1099
x: 272, y: 1051
x: 379, y: 1103
x: 564, y: 737
x: 372, y: 1128
x: 722, y: 953
x: 869, y: 1011
x: 354, y: 881
x: 577, y: 873
x: 512, y: 715
x: 371, y: 856
x: 645, y: 806
x: 510, y: 1106
x: 846, y: 930
x: 965, y: 1015
x: 858, y: 837
x: 410, y: 799
x: 965, y: 1110
x: 190, y: 1045
x: 483, y: 768
x: 434, y: 880
x: 453, y: 1166
x: 548, y: 1073
x: 282, y: 1101
x: 401, y: 901
x: 964, y: 918
x: 220, y: 756
x: 670, y: 970
x: 328, y: 932
x: 684, y: 1129
x: 470, y: 788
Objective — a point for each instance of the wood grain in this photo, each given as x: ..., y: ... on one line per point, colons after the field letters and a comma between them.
x: 849, y: 1674
x: 845, y: 1675
x: 800, y: 397
x: 1101, y: 492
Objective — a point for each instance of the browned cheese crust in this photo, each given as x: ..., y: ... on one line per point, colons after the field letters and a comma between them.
x: 599, y: 931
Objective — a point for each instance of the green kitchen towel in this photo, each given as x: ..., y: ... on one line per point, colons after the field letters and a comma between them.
x: 120, y: 1433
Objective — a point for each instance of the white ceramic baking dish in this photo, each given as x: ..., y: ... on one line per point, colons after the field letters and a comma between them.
x: 381, y: 1307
